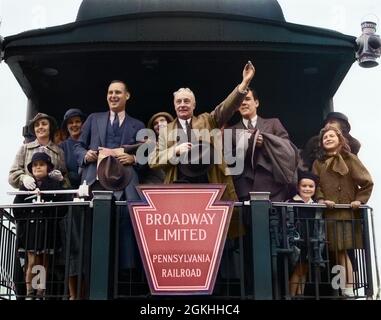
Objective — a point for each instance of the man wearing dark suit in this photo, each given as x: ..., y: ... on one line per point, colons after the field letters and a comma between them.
x: 112, y: 129
x: 258, y: 171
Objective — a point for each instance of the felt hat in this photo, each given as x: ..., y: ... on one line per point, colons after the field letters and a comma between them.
x: 52, y: 121
x: 159, y: 114
x: 308, y: 175
x: 338, y: 116
x: 40, y: 156
x: 196, y: 166
x: 113, y: 175
x: 73, y: 112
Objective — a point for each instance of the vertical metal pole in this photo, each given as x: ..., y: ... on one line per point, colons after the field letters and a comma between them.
x: 101, y: 248
x: 369, y: 290
x: 260, y: 226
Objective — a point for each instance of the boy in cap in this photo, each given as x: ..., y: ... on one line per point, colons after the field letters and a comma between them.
x: 305, y: 228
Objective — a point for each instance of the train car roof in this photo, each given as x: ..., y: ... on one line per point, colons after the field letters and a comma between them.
x: 199, y: 44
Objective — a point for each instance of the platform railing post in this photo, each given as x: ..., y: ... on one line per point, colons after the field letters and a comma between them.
x: 101, y: 247
x: 261, y: 244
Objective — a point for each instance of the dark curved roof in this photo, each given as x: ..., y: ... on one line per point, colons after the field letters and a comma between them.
x: 263, y: 9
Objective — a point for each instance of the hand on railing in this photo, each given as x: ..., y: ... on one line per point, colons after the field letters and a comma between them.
x: 330, y: 204
x: 355, y: 204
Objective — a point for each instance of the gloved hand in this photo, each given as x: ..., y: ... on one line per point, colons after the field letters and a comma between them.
x: 28, y: 182
x: 56, y: 175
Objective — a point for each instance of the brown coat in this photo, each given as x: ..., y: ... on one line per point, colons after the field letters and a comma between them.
x: 165, y: 150
x: 343, y: 179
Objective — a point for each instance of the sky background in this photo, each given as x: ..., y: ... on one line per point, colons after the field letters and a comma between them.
x: 358, y: 97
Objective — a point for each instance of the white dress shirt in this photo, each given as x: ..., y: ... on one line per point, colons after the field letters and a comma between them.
x: 121, y: 116
x: 253, y: 121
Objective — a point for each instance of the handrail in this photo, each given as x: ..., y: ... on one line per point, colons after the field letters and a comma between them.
x: 124, y: 202
x: 46, y: 204
x: 316, y: 205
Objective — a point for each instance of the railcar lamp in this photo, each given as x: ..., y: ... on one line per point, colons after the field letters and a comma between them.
x: 368, y: 45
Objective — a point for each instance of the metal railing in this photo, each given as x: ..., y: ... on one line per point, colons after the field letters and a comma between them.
x: 279, y: 239
x: 318, y: 256
x: 44, y: 242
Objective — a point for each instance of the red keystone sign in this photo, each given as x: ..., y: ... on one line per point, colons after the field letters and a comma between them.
x: 181, y: 232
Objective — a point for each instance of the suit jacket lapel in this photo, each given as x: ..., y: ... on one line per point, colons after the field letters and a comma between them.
x: 102, y: 121
x: 172, y: 126
x: 260, y: 123
x: 128, y: 130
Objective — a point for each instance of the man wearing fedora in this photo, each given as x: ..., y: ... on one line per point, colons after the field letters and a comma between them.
x: 112, y: 129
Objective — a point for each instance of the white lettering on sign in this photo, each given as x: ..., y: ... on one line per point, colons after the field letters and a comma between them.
x: 179, y: 219
x: 180, y: 235
x: 181, y: 273
x: 181, y: 258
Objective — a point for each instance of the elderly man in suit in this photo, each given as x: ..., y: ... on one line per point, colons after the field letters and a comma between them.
x: 169, y: 149
x: 112, y: 129
x: 270, y: 157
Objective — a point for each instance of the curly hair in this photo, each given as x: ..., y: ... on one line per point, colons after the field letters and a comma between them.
x: 343, y: 142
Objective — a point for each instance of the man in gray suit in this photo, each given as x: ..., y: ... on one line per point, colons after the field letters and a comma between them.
x: 112, y: 129
x: 270, y: 157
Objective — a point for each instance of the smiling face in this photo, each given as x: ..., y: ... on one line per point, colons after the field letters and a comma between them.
x: 74, y: 125
x: 185, y: 104
x: 42, y: 128
x: 117, y: 96
x: 330, y: 141
x: 39, y: 169
x: 249, y: 105
x: 159, y: 122
x: 306, y: 189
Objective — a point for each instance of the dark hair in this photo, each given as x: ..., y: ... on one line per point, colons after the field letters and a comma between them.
x: 120, y: 81
x: 254, y: 92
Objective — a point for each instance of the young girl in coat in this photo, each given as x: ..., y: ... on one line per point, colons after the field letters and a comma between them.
x: 37, y: 227
x: 307, y: 183
x: 343, y: 180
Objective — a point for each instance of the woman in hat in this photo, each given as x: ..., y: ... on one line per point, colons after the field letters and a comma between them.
x: 158, y: 121
x: 37, y: 228
x: 343, y: 180
x: 43, y: 126
x: 72, y: 125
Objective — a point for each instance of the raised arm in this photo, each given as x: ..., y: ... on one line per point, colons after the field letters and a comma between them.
x: 225, y: 110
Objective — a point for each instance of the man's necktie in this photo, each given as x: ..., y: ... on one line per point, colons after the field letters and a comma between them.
x: 115, y: 123
x: 250, y: 125
x: 189, y: 136
x: 189, y: 131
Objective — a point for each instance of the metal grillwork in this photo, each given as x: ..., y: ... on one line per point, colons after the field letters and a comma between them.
x: 308, y: 250
x: 51, y: 234
x: 288, y: 251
